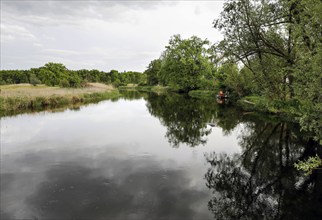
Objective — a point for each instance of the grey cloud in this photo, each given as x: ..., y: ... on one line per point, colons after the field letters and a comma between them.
x: 71, y: 12
x: 96, y: 34
x: 61, y: 6
x: 12, y: 32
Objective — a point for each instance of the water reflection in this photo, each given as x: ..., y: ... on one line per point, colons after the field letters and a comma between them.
x: 261, y: 182
x: 185, y: 119
x: 111, y: 161
x: 133, y: 94
x: 75, y: 192
x: 113, y: 188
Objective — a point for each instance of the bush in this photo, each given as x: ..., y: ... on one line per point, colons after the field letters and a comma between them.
x: 34, y: 80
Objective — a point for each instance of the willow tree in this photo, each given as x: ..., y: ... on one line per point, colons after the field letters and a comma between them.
x: 280, y: 42
x: 260, y: 35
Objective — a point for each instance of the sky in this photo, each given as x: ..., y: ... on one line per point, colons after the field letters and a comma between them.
x: 103, y: 35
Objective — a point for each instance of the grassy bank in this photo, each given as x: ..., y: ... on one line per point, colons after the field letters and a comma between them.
x: 16, y: 99
x: 203, y: 94
x: 156, y: 89
x: 20, y: 98
x: 287, y: 109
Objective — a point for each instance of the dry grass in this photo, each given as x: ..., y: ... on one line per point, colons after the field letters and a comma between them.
x: 27, y: 90
x: 15, y: 99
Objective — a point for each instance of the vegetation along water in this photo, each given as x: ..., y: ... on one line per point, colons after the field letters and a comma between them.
x: 156, y: 156
x: 252, y: 100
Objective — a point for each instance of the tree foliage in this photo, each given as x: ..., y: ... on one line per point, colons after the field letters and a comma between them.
x: 185, y: 65
x: 153, y: 72
x: 56, y: 74
x: 280, y: 43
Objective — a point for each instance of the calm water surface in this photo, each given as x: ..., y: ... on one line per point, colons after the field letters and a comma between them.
x: 155, y: 157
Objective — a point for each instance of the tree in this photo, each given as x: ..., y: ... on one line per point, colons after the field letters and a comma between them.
x: 280, y: 42
x: 34, y: 80
x: 185, y: 63
x: 153, y: 71
x: 260, y: 35
x: 308, y: 68
x: 56, y: 74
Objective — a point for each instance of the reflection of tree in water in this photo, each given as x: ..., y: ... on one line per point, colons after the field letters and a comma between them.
x: 132, y: 95
x: 262, y: 182
x: 185, y: 118
x: 227, y: 118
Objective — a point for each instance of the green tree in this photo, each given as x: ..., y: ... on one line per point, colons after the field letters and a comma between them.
x: 34, y: 80
x: 56, y: 74
x: 280, y: 42
x: 53, y: 73
x: 153, y: 71
x: 308, y: 72
x: 260, y: 35
x: 185, y: 63
x: 238, y: 82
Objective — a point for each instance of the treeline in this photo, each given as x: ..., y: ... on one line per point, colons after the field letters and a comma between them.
x: 271, y: 53
x: 56, y: 74
x: 196, y: 64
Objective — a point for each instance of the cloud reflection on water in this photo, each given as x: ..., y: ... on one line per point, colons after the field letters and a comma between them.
x: 109, y: 188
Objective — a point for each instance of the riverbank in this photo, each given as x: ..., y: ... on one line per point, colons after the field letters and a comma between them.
x: 21, y: 98
x: 155, y: 89
x: 247, y: 103
x: 288, y: 110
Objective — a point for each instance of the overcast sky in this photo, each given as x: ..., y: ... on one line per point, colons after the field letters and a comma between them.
x: 103, y: 35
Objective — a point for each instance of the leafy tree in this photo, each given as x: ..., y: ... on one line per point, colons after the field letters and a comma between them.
x: 260, y: 36
x: 185, y: 63
x: 56, y: 74
x: 14, y: 76
x: 308, y: 68
x: 238, y: 82
x: 280, y: 42
x: 153, y: 71
x: 34, y: 80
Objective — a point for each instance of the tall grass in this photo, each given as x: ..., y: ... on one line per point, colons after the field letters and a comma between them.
x: 20, y: 104
x: 155, y: 89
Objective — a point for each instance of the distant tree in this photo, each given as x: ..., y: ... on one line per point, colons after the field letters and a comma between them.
x: 56, y: 74
x: 52, y: 74
x: 33, y: 80
x: 14, y: 76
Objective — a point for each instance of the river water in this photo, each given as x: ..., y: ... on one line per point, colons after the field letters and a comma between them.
x: 149, y: 156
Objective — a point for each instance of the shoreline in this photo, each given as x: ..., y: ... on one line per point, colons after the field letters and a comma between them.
x: 16, y: 99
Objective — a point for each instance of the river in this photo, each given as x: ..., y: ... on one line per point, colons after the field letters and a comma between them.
x: 149, y: 156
